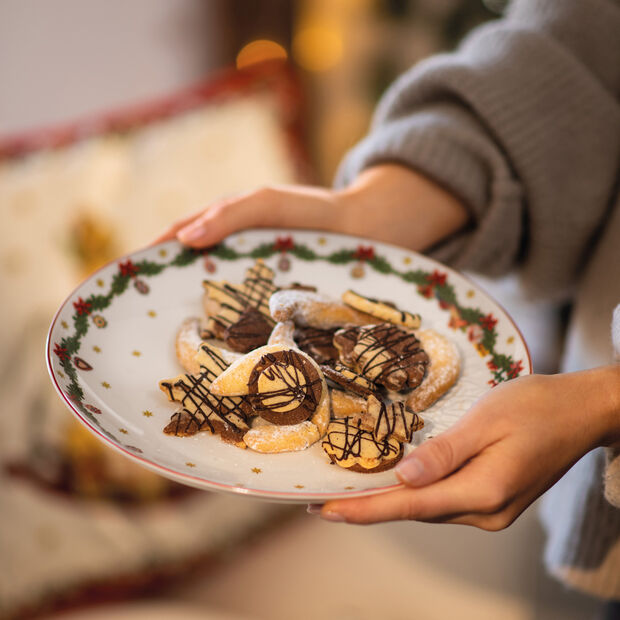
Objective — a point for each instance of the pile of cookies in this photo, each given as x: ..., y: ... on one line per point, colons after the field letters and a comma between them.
x: 277, y: 369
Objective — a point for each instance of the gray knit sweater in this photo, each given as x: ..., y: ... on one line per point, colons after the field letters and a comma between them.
x: 522, y: 122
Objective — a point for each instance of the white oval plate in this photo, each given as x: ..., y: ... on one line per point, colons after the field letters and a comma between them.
x: 112, y: 340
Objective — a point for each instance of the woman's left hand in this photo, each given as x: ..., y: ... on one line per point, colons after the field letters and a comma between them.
x: 510, y: 447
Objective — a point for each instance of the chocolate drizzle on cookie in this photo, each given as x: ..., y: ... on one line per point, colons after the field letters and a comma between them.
x: 201, y: 410
x: 391, y: 420
x: 254, y: 292
x: 383, y: 353
x: 250, y: 331
x: 317, y: 343
x: 285, y: 387
x: 349, y: 445
x: 349, y: 380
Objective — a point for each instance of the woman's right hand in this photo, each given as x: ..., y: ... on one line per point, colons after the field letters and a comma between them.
x: 387, y: 203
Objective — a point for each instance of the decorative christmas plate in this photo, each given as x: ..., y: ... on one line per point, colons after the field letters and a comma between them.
x: 112, y: 340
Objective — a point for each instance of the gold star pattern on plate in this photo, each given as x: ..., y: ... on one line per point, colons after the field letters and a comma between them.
x: 147, y: 414
x: 190, y: 464
x: 100, y: 282
x: 123, y: 430
x: 321, y: 241
x: 61, y: 374
x: 152, y: 313
x: 407, y: 260
x: 64, y: 324
x: 510, y: 339
x: 241, y: 241
x: 136, y: 353
x: 163, y: 253
x: 299, y: 486
x: 257, y: 470
x: 96, y: 349
x: 470, y: 293
x: 105, y: 384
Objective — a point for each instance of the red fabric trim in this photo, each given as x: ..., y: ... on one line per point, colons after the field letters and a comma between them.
x: 277, y: 77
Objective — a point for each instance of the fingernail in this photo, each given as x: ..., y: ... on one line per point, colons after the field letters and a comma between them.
x: 410, y: 470
x: 329, y: 515
x: 190, y: 234
x: 314, y: 509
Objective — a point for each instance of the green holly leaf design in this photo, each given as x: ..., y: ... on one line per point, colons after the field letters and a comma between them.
x: 185, y: 257
x: 378, y: 263
x: 224, y: 252
x: 265, y: 250
x: 99, y: 302
x: 341, y: 257
x: 149, y: 268
x: 303, y: 252
x: 416, y: 277
x: 119, y: 284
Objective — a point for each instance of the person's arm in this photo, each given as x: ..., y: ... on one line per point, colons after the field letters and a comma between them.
x: 386, y: 202
x: 512, y: 445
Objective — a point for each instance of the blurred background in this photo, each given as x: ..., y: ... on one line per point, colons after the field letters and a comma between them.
x: 117, y: 117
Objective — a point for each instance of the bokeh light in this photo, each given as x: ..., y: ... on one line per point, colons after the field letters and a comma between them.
x: 260, y: 51
x: 318, y: 47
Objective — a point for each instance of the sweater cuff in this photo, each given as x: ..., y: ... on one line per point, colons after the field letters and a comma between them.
x: 612, y: 471
x: 446, y: 143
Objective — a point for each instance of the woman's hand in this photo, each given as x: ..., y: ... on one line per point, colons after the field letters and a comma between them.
x: 513, y: 444
x: 387, y: 203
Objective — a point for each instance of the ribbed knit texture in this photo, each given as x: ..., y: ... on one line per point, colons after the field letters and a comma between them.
x: 522, y: 122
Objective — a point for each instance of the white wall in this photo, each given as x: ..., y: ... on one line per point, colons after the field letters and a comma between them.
x: 63, y: 59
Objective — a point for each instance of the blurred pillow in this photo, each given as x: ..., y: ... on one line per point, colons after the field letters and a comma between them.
x: 80, y: 521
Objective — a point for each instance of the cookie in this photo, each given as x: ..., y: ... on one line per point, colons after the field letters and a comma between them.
x: 203, y: 411
x: 382, y: 310
x: 284, y: 387
x: 250, y: 331
x: 310, y: 309
x: 226, y: 302
x: 391, y: 420
x: 186, y: 344
x: 442, y: 373
x: 349, y: 380
x: 345, y: 404
x: 283, y: 334
x: 384, y: 354
x: 317, y: 343
x: 350, y: 446
x: 273, y: 439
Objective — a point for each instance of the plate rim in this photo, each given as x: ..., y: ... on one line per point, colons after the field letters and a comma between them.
x: 199, y: 482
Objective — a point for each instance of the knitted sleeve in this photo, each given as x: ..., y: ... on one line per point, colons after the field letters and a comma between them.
x: 612, y: 472
x: 522, y: 122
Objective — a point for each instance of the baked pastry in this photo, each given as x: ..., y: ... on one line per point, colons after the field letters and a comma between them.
x: 390, y: 420
x: 310, y: 309
x: 442, y: 372
x: 382, y: 310
x: 384, y: 354
x: 348, y: 445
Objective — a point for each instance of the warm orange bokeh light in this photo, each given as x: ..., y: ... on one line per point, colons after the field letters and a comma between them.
x: 318, y: 48
x: 259, y: 51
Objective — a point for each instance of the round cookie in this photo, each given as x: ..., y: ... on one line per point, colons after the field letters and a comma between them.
x: 285, y: 387
x: 350, y: 446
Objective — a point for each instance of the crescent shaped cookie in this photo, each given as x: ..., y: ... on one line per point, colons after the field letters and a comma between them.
x: 310, y: 309
x: 442, y: 372
x: 186, y: 345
